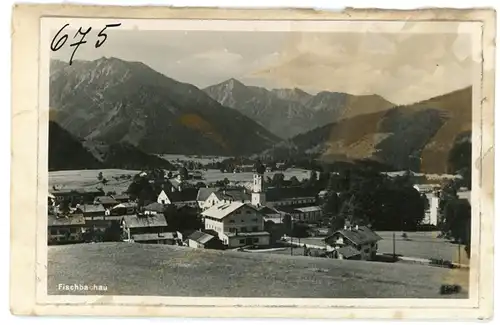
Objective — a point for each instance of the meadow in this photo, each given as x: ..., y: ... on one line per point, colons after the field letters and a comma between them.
x: 163, y: 270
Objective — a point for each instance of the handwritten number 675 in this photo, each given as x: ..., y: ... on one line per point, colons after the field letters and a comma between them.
x: 58, y: 42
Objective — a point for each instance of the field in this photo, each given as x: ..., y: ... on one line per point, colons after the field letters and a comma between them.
x: 198, y: 159
x: 161, y: 270
x: 424, y: 245
x: 88, y: 179
x: 213, y: 175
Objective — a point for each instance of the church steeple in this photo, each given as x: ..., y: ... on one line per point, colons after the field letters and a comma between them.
x: 258, y: 193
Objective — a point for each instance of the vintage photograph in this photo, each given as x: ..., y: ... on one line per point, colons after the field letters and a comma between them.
x: 314, y: 164
x: 207, y: 158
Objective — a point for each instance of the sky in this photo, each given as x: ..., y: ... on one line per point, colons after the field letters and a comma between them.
x: 402, y: 67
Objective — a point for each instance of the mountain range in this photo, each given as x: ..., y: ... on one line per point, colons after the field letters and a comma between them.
x: 67, y: 152
x: 114, y: 108
x: 418, y: 136
x: 289, y: 112
x: 114, y: 101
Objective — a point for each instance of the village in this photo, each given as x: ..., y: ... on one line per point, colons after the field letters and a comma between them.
x: 264, y: 215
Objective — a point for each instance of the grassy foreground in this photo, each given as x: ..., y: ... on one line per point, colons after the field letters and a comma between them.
x: 161, y: 270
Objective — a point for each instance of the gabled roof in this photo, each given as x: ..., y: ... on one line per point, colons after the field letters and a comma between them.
x: 312, y: 208
x: 123, y: 196
x: 233, y: 195
x: 359, y: 236
x: 283, y: 193
x: 65, y: 221
x: 91, y: 208
x: 200, y: 237
x: 125, y: 205
x: 223, y: 209
x: 187, y: 194
x: 153, y: 236
x: 204, y: 193
x: 155, y: 206
x: 154, y: 220
x: 105, y: 200
x: 348, y: 251
x: 268, y: 210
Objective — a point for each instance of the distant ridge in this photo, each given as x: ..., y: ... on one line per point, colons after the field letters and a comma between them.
x: 288, y: 112
x: 419, y: 136
x: 113, y: 101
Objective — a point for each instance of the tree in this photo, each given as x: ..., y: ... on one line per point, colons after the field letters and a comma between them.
x: 99, y: 176
x: 294, y: 181
x: 169, y: 174
x: 104, y: 181
x: 183, y: 172
x: 457, y: 221
x: 324, y: 178
x: 278, y: 179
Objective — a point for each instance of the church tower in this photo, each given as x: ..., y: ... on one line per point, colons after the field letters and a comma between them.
x: 258, y: 193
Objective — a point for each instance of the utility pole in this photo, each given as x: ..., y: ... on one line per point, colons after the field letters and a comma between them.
x: 394, y: 246
x: 459, y: 262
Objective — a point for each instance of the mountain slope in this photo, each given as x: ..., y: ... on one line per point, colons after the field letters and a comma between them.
x: 418, y: 136
x: 275, y: 111
x: 112, y: 100
x: 288, y: 112
x: 67, y: 152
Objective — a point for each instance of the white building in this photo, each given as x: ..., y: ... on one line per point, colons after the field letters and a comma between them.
x: 237, y: 224
x: 431, y: 193
x: 362, y: 241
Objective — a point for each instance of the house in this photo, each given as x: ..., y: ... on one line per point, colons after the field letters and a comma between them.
x: 154, y: 208
x: 147, y: 229
x: 203, y: 194
x: 184, y: 197
x: 90, y: 210
x: 237, y: 224
x: 107, y: 201
x: 289, y: 196
x: 347, y: 253
x: 431, y: 192
x: 359, y: 238
x: 124, y: 208
x: 309, y: 213
x: 237, y: 194
x: 65, y: 229
x: 75, y: 196
x: 163, y: 198
x: 199, y: 239
x: 122, y: 198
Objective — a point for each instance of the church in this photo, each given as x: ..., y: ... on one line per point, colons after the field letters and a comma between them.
x: 239, y: 217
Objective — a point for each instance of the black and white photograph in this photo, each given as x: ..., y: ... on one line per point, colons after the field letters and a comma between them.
x: 260, y: 158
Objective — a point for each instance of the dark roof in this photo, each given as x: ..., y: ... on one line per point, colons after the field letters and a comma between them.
x: 106, y: 200
x: 154, y: 220
x: 360, y: 236
x: 282, y: 193
x: 348, y: 251
x: 233, y: 195
x: 200, y: 237
x: 76, y: 191
x: 123, y: 196
x: 155, y: 206
x: 204, y: 193
x: 90, y: 208
x: 153, y: 236
x: 267, y: 210
x: 125, y: 205
x: 187, y: 194
x: 65, y: 221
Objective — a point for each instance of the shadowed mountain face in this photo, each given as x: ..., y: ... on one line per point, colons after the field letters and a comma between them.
x: 67, y: 152
x: 114, y: 101
x: 288, y: 112
x: 418, y: 136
